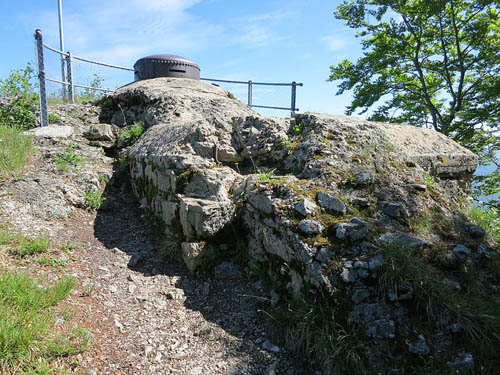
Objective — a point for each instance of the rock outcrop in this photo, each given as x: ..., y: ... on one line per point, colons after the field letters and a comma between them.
x: 316, y: 199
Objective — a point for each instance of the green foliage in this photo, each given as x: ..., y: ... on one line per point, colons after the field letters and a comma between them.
x: 129, y: 136
x: 20, y: 88
x: 311, y: 330
x: 487, y: 218
x: 68, y: 158
x: 53, y: 118
x: 477, y: 310
x: 264, y: 176
x: 15, y: 149
x: 296, y: 128
x: 28, y: 342
x: 69, y: 245
x: 435, y: 64
x: 170, y: 244
x: 26, y: 246
x: 51, y: 262
x: 90, y: 95
x: 123, y: 162
x: 94, y: 199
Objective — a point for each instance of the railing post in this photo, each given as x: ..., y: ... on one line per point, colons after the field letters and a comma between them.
x: 71, y: 86
x: 44, y: 120
x: 294, y: 98
x: 250, y: 87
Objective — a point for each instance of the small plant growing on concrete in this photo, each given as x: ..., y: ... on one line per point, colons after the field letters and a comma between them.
x: 94, y: 199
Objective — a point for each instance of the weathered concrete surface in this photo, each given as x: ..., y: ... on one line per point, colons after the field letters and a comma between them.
x: 310, y: 202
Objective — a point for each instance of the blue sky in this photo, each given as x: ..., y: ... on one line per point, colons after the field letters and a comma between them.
x: 273, y: 40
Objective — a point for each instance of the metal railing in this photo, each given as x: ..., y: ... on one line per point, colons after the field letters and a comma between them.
x: 69, y: 85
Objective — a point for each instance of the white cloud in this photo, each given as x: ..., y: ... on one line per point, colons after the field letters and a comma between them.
x: 334, y: 44
x: 259, y: 30
x: 169, y: 5
x: 111, y: 28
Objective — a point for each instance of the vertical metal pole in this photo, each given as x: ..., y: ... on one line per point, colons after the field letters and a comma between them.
x: 61, y: 47
x: 250, y: 86
x: 71, y: 86
x: 44, y: 120
x: 294, y: 97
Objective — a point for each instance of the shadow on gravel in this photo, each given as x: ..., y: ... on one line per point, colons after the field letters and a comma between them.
x: 231, y: 304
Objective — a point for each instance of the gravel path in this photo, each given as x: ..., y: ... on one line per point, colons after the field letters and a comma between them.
x: 145, y: 315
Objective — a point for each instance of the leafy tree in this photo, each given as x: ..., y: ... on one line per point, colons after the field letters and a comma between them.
x: 432, y: 63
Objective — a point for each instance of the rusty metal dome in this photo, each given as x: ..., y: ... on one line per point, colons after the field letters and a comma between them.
x: 165, y: 66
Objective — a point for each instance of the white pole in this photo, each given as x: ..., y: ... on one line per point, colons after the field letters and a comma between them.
x: 61, y: 48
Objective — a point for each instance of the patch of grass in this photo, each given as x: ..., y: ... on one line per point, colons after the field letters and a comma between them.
x: 15, y: 149
x: 69, y: 245
x: 170, y: 244
x: 487, y: 218
x: 421, y: 224
x: 476, y: 310
x: 129, y: 136
x: 28, y: 342
x: 311, y: 330
x: 68, y: 159
x: 5, y: 235
x: 53, y: 118
x: 94, y: 199
x: 26, y: 246
x: 51, y: 262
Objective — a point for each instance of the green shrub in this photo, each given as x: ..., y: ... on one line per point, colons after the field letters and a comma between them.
x: 20, y: 88
x: 15, y: 149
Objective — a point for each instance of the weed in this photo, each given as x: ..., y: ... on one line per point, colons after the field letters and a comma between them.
x: 170, y: 244
x: 94, y: 199
x: 477, y: 311
x: 51, y: 262
x: 129, y: 136
x: 15, y: 149
x: 487, y: 218
x: 265, y: 176
x: 312, y: 331
x: 87, y: 291
x: 69, y: 245
x: 429, y: 180
x: 421, y: 224
x: 90, y: 94
x: 67, y: 159
x: 26, y: 246
x: 103, y: 179
x: 53, y: 118
x: 296, y: 129
x: 27, y: 338
x: 123, y: 162
x: 5, y: 235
